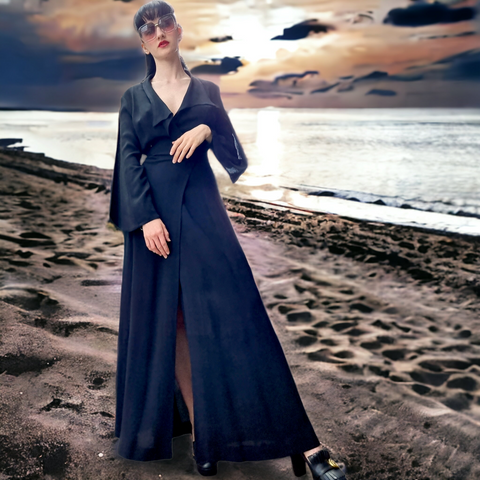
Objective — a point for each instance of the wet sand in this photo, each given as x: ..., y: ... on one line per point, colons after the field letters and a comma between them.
x: 380, y: 324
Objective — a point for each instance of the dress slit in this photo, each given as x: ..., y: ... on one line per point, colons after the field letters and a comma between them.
x: 182, y: 424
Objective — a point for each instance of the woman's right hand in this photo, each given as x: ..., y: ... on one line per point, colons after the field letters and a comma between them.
x: 156, y: 236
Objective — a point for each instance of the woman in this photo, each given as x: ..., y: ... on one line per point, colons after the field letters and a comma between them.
x: 192, y: 322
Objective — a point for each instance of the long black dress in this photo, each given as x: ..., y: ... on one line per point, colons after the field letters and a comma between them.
x: 246, y: 404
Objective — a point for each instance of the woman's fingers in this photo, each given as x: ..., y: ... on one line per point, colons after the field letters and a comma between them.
x: 161, y: 245
x: 156, y: 236
x: 190, y: 152
x: 177, y: 148
x: 180, y: 152
x: 188, y: 142
x: 167, y: 235
x: 158, y: 245
x: 152, y: 247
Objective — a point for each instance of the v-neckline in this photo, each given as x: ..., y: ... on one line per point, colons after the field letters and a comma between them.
x: 160, y: 98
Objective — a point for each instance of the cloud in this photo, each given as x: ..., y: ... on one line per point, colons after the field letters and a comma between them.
x: 303, y: 29
x: 22, y: 60
x: 381, y: 92
x: 225, y: 66
x: 464, y: 66
x: 428, y: 14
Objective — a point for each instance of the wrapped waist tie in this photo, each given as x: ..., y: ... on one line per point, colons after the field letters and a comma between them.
x: 157, y: 157
x: 159, y: 152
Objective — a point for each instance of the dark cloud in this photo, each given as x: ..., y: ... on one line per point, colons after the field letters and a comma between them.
x: 293, y: 78
x: 30, y: 63
x: 225, y: 38
x: 287, y: 86
x: 120, y: 65
x: 23, y: 57
x: 376, y: 75
x: 464, y: 66
x: 226, y: 65
x: 325, y: 89
x: 428, y: 14
x: 381, y: 92
x: 302, y: 30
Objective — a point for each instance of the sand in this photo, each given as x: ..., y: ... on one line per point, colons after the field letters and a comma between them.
x: 380, y: 325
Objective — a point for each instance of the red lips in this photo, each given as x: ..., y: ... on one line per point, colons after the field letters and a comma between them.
x: 163, y: 43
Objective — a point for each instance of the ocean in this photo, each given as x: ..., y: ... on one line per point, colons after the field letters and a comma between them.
x: 403, y: 166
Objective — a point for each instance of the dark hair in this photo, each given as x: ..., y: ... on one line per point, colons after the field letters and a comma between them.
x: 151, y: 11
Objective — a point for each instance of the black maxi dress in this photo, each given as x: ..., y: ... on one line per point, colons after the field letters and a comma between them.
x: 246, y: 403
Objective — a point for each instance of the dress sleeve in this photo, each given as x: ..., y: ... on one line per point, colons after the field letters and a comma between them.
x: 225, y: 144
x: 131, y: 204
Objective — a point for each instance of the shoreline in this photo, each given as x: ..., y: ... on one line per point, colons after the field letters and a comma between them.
x: 436, y: 216
x: 380, y: 325
x: 99, y: 178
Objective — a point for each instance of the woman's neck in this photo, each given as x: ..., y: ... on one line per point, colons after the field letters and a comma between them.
x: 168, y: 75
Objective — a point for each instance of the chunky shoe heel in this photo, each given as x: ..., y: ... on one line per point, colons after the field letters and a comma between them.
x: 207, y: 469
x: 320, y: 464
x: 298, y: 464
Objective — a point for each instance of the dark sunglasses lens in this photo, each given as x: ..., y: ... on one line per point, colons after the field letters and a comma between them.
x: 168, y: 24
x: 147, y: 32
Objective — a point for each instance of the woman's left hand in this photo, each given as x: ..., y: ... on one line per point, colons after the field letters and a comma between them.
x: 189, y: 141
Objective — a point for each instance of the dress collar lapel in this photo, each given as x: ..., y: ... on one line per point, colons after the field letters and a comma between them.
x: 196, y: 95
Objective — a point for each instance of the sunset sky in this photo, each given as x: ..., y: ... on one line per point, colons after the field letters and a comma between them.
x: 84, y: 54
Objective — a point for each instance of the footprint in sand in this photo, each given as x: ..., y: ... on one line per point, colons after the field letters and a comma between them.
x: 339, y: 326
x: 303, y: 317
x: 29, y: 298
x: 464, y: 382
x: 13, y: 364
x: 98, y: 380
x: 62, y: 328
x: 323, y: 355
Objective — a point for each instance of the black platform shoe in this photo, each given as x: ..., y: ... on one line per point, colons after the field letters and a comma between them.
x: 207, y: 469
x: 320, y: 464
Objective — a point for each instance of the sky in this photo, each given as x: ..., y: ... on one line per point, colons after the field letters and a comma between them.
x: 83, y: 54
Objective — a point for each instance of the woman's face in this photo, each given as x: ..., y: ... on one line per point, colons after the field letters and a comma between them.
x: 163, y: 42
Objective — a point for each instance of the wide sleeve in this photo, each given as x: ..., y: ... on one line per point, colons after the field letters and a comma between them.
x: 131, y: 204
x: 225, y: 144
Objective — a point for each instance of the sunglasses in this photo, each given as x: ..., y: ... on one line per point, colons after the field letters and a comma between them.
x: 148, y: 31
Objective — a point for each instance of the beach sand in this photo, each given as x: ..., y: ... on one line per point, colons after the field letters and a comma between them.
x: 380, y: 325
